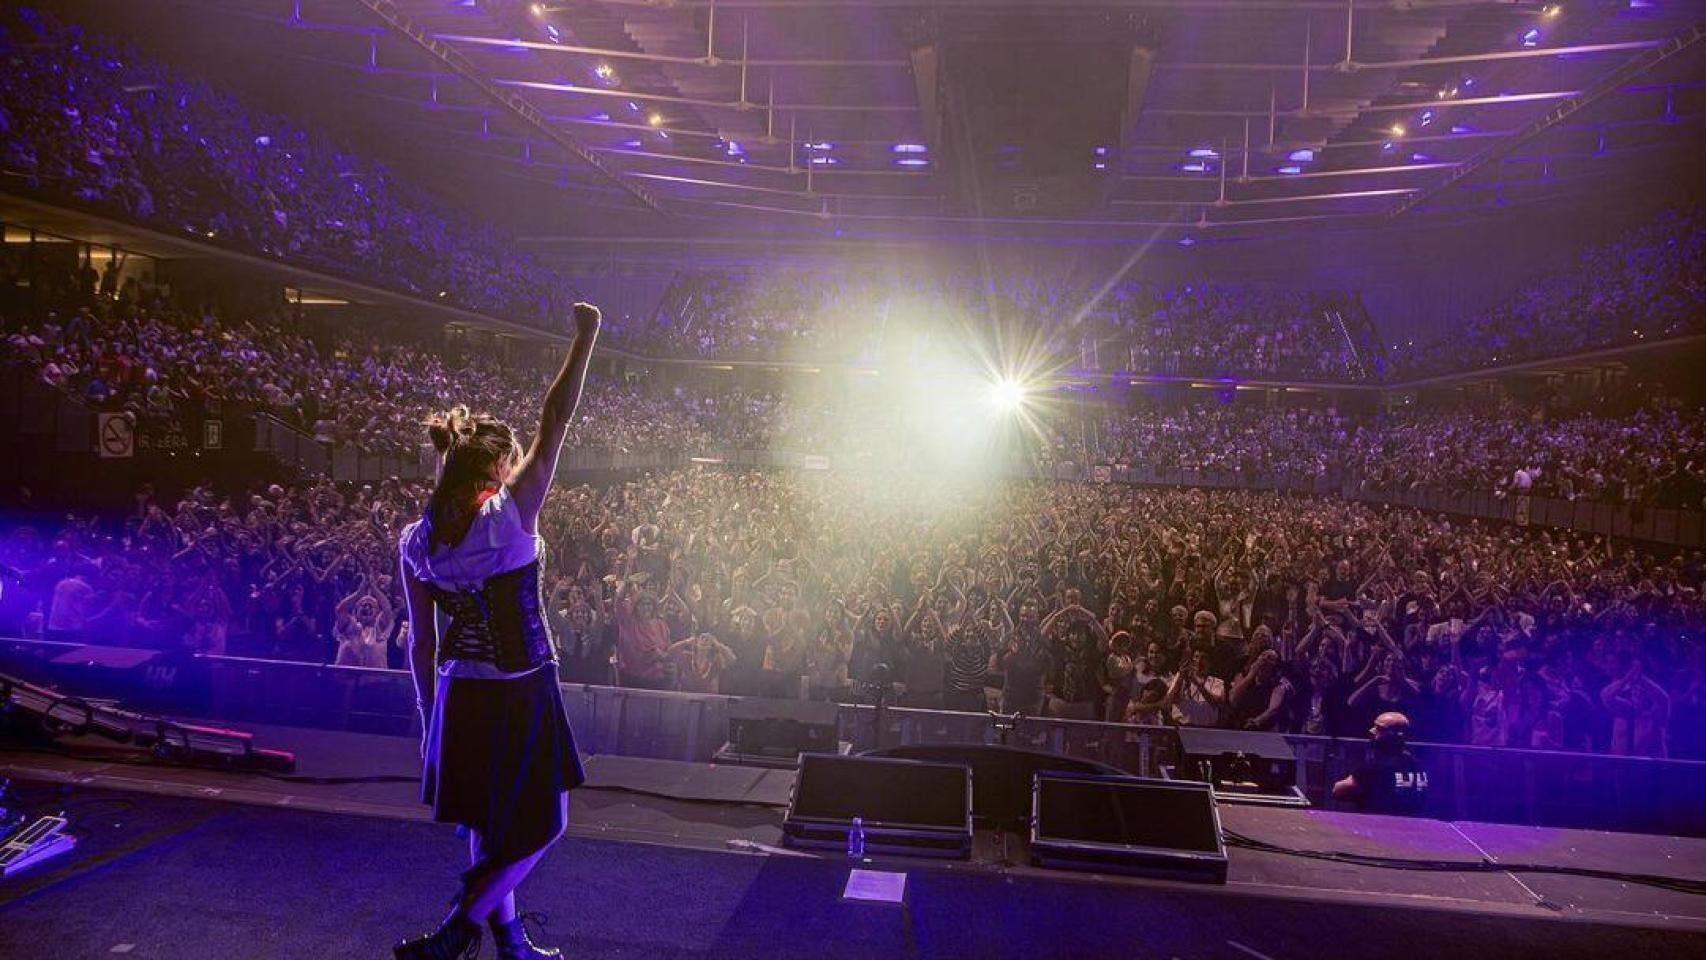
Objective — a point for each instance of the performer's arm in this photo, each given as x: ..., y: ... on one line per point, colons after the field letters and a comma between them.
x: 533, y: 478
x: 423, y: 643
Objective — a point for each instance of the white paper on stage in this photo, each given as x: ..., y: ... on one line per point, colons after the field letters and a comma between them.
x: 877, y: 886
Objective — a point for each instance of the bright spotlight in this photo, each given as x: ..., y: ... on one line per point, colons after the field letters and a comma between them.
x: 1007, y: 394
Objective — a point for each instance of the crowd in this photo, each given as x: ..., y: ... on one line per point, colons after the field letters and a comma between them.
x: 369, y: 387
x: 86, y: 121
x: 1643, y: 447
x: 1242, y: 609
x: 359, y: 385
x: 869, y: 315
x: 1644, y: 286
x: 1250, y: 610
x: 297, y: 573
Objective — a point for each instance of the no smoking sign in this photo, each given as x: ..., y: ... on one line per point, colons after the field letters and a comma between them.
x: 116, y: 435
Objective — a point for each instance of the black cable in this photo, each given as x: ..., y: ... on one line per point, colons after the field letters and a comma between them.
x: 1680, y: 885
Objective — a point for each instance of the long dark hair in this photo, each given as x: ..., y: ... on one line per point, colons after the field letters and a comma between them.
x: 472, y: 445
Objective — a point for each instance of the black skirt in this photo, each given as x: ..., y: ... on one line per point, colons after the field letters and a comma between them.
x: 500, y: 757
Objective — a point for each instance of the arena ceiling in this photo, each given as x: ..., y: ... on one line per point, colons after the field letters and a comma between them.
x: 1181, y: 121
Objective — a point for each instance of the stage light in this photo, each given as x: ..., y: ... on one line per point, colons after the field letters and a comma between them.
x: 655, y: 119
x: 605, y: 72
x: 1007, y: 394
x: 538, y: 9
x: 1398, y: 130
x: 1552, y: 10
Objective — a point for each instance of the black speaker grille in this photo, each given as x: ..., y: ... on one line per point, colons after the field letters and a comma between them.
x: 882, y: 791
x: 1130, y: 813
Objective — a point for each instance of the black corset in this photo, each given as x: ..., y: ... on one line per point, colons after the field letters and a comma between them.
x: 500, y: 622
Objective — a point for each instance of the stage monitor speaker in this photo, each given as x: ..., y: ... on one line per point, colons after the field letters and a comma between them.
x: 1243, y: 766
x: 1001, y: 777
x: 780, y: 730
x: 908, y: 807
x: 1134, y: 825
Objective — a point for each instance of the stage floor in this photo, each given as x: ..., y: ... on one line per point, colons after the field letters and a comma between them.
x: 678, y: 860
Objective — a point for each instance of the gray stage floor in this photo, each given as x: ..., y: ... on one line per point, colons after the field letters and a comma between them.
x: 731, y: 808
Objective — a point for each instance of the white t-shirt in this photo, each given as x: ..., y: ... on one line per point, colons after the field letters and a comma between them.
x: 1195, y: 710
x: 496, y: 542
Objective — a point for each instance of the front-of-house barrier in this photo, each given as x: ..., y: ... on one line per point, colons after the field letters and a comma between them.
x: 1541, y: 788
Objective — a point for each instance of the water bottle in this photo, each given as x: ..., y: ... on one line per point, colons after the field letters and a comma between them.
x: 856, y: 841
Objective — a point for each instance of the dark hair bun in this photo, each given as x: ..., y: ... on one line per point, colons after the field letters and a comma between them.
x: 445, y: 430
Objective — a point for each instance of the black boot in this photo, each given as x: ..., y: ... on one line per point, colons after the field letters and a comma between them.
x: 512, y: 942
x: 457, y: 938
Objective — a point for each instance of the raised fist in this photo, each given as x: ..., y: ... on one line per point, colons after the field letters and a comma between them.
x: 587, y: 318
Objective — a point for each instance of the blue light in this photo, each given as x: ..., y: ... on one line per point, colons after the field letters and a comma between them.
x: 1387, y: 145
x: 1100, y: 151
x: 1301, y: 156
x: 911, y: 162
x: 633, y: 144
x: 734, y: 149
x: 1203, y: 153
x: 600, y: 116
x: 551, y: 32
x: 909, y: 148
x: 1420, y: 158
x: 263, y: 141
x: 1532, y: 37
x: 826, y: 161
x: 824, y: 145
x: 1427, y: 117
x: 1468, y: 83
x: 1099, y: 165
x: 634, y: 106
x: 663, y: 134
x: 1462, y: 128
x: 1187, y: 241
x: 1290, y: 171
x: 1196, y: 167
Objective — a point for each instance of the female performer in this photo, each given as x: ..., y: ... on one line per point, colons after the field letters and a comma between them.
x: 499, y: 755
